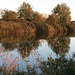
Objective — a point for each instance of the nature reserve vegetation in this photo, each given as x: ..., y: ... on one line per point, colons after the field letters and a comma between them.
x: 26, y: 21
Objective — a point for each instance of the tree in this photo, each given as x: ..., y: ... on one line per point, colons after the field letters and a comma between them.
x: 52, y: 19
x: 37, y: 17
x: 63, y: 12
x: 9, y: 15
x: 25, y: 11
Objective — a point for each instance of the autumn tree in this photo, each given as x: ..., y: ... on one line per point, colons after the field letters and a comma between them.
x: 63, y: 12
x: 9, y: 15
x: 52, y: 19
x: 25, y: 11
x: 37, y: 17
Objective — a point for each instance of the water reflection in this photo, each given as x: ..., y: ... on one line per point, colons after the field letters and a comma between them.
x: 37, y: 56
x: 9, y: 46
x: 60, y: 45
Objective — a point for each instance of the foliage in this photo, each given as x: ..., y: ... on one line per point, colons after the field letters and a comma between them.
x: 52, y: 19
x: 17, y: 28
x: 63, y: 12
x: 27, y: 20
x: 59, y: 66
x: 60, y: 18
x: 9, y: 15
x: 25, y: 11
x: 37, y: 17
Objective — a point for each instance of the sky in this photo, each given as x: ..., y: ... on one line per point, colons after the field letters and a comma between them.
x: 42, y: 6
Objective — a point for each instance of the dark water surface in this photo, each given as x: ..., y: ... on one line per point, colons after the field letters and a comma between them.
x: 45, y: 56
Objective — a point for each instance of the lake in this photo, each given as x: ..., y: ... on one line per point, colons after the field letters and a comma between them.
x: 37, y: 56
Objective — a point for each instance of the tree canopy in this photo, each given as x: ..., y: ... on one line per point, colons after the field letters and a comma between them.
x: 63, y: 12
x: 25, y: 11
x: 52, y: 19
x: 9, y: 15
x: 37, y: 17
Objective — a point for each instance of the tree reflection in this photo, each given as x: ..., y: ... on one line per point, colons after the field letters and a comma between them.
x: 58, y: 66
x: 9, y: 46
x: 26, y: 48
x: 10, y: 42
x: 60, y: 45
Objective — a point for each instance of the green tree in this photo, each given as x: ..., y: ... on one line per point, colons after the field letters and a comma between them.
x: 25, y: 11
x: 63, y: 12
x: 9, y: 15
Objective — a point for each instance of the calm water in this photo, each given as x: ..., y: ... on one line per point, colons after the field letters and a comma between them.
x: 38, y: 57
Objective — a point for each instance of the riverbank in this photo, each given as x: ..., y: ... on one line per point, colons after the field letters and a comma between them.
x: 23, y: 27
